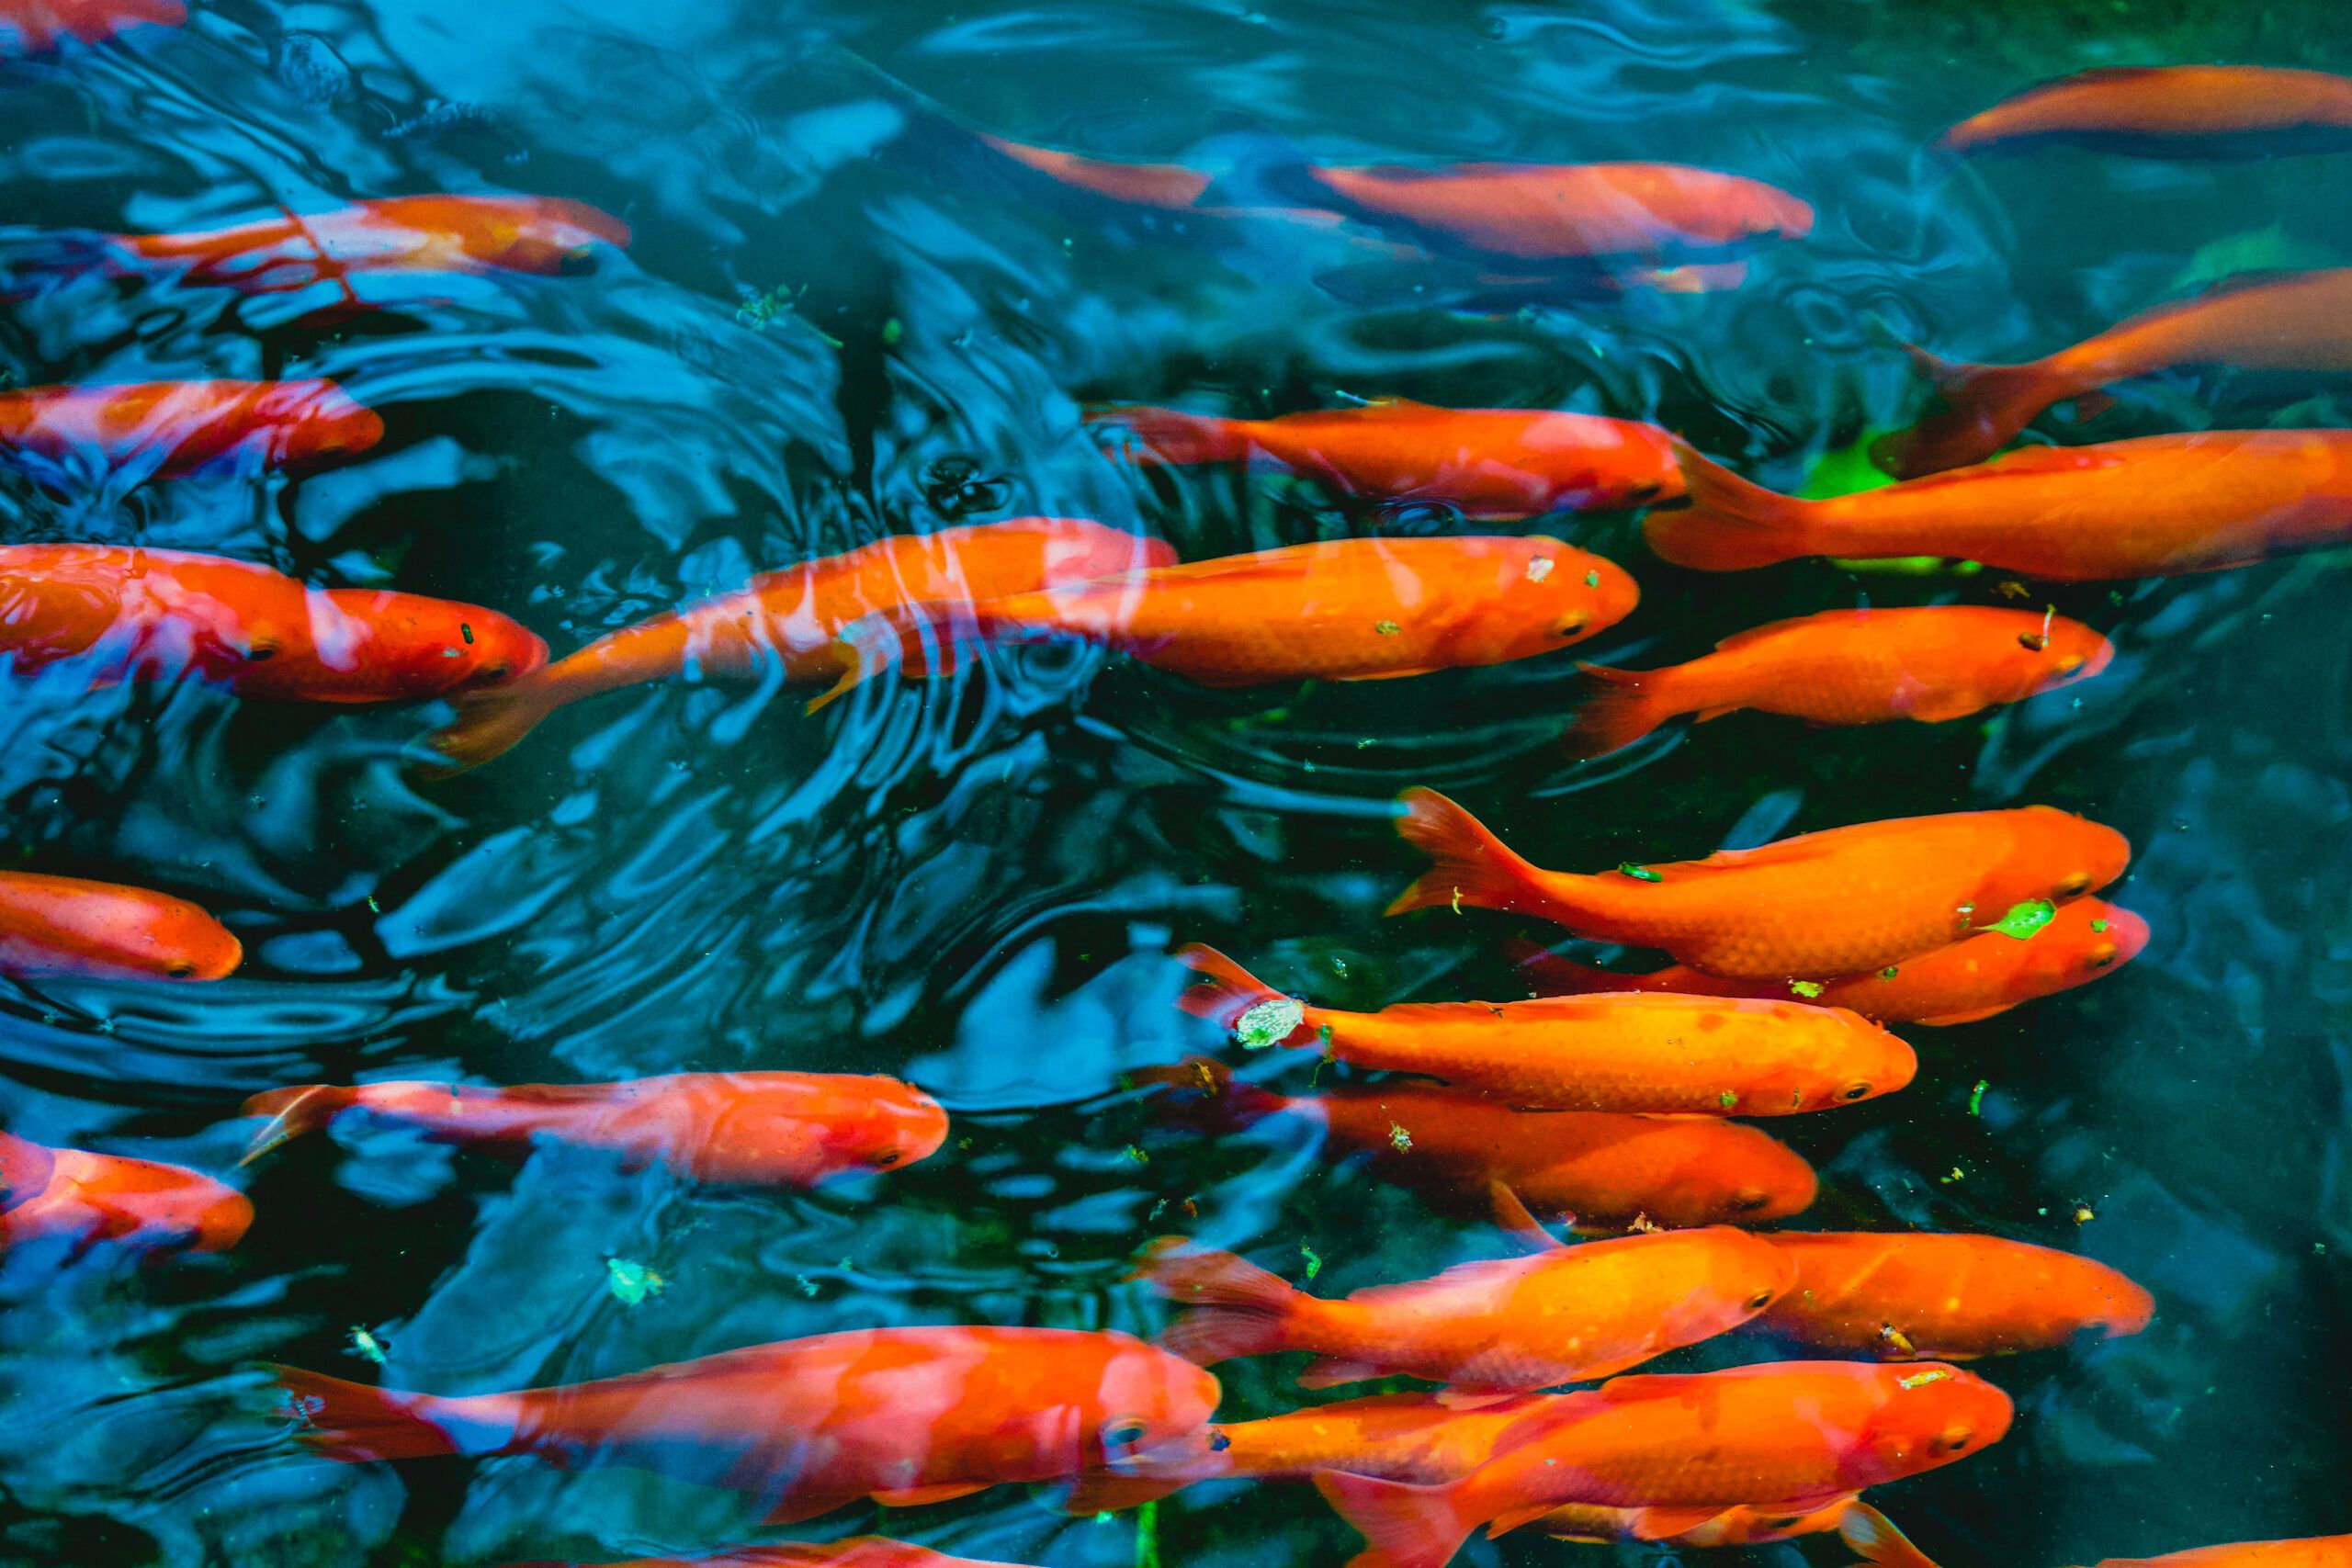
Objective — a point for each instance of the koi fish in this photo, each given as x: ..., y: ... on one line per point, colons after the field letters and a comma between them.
x: 2155, y: 506
x: 903, y: 1416
x: 154, y: 614
x: 37, y: 27
x: 2171, y: 111
x: 1687, y: 1448
x: 770, y: 1129
x: 1490, y: 464
x: 1848, y: 666
x: 791, y: 620
x: 88, y: 1200
x: 174, y: 428
x: 1945, y: 1298
x: 1987, y: 974
x: 1596, y: 1169
x: 1340, y: 609
x: 1663, y: 1054
x: 1837, y: 902
x: 2308, y: 1552
x: 2298, y: 321
x: 856, y: 1552
x: 63, y: 925
x: 1508, y: 1324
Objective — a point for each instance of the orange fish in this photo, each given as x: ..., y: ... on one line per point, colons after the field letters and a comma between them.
x: 1341, y: 609
x: 1945, y: 1298
x: 2300, y: 321
x: 1846, y: 667
x: 1837, y: 902
x: 2161, y: 111
x: 2308, y: 1552
x: 154, y: 614
x: 2156, y: 506
x: 36, y: 26
x: 171, y: 428
x: 87, y: 1200
x: 1595, y: 1170
x: 63, y: 925
x: 1564, y: 1314
x: 1489, y: 464
x: 902, y: 1415
x: 1863, y: 1528
x: 545, y: 235
x: 856, y: 1552
x: 1987, y: 974
x: 774, y: 1128
x: 1663, y: 1054
x: 791, y: 620
x: 1687, y: 1448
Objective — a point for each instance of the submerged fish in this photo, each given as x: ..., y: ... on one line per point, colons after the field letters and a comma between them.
x: 1945, y: 1298
x: 171, y: 428
x: 63, y: 925
x: 790, y: 620
x: 1508, y: 1324
x: 1837, y: 902
x: 156, y: 615
x: 2156, y: 506
x: 87, y: 1200
x: 2192, y: 111
x: 902, y: 1415
x: 852, y: 1552
x: 1490, y: 464
x: 1668, y: 1054
x: 1689, y: 1446
x: 1865, y: 1531
x: 1844, y: 666
x: 2294, y: 322
x: 1598, y: 1169
x: 1987, y: 974
x: 1342, y: 609
x: 37, y: 27
x: 771, y: 1128
x: 2308, y: 1552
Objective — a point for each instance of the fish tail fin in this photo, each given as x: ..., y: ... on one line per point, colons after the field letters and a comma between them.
x: 305, y: 1108
x: 1873, y: 1536
x: 488, y: 724
x: 920, y: 640
x: 1984, y: 407
x: 1472, y: 866
x: 1226, y: 991
x: 1405, y: 1526
x: 1173, y: 436
x: 1549, y: 975
x: 1238, y: 1309
x: 353, y: 1422
x: 1624, y: 705
x: 1730, y: 525
x: 1212, y: 1098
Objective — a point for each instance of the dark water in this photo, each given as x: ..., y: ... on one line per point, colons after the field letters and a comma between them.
x: 974, y: 886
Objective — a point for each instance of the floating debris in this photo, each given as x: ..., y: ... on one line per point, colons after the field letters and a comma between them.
x: 1807, y: 988
x: 1314, y: 1259
x: 1269, y: 1022
x: 2024, y: 919
x: 366, y: 1344
x: 1976, y: 1097
x: 631, y: 1281
x: 1638, y: 873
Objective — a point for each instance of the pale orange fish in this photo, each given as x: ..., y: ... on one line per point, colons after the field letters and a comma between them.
x: 86, y: 1200
x: 2186, y: 111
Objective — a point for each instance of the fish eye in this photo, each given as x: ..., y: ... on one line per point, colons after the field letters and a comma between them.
x: 1789, y: 1522
x: 1855, y: 1091
x: 1218, y: 1441
x: 1122, y: 1432
x: 2069, y: 664
x: 261, y: 648
x: 1952, y: 1439
x: 498, y: 671
x: 2075, y: 886
x: 1573, y: 627
x: 577, y: 262
x: 2102, y: 957
x: 180, y: 969
x: 886, y: 1159
x: 1748, y: 1200
x: 1760, y: 1301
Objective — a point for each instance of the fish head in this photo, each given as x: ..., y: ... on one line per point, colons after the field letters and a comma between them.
x: 892, y: 1124
x: 1859, y: 1060
x: 160, y: 1206
x: 2065, y: 652
x: 1772, y: 213
x: 1929, y: 1413
x: 394, y: 646
x: 1152, y: 1408
x: 1731, y: 1172
x: 25, y: 1170
x: 316, y: 424
x: 1550, y: 596
x: 2060, y: 856
x: 2082, y: 940
x: 134, y: 933
x: 553, y: 238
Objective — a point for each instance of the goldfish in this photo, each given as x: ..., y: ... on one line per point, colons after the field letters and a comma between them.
x: 1507, y: 1325
x: 1975, y: 978
x: 63, y: 925
x: 157, y: 613
x: 790, y: 620
x: 86, y: 1200
x: 2298, y: 321
x: 1340, y: 609
x: 2155, y: 506
x: 2308, y: 1552
x: 1172, y: 187
x: 854, y: 1551
x: 1596, y: 1169
x: 1846, y: 667
x: 1945, y: 1298
x: 1663, y: 1054
x: 1489, y: 464
x: 1687, y: 1448
x: 173, y: 428
x: 1836, y: 902
x: 771, y: 1128
x: 2196, y: 111
x: 903, y: 1416
x: 37, y: 27
x: 1863, y: 1528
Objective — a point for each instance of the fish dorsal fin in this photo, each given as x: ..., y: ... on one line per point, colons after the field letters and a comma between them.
x: 2114, y: 73
x: 1771, y: 628
x: 1663, y: 1524
x: 1513, y: 1217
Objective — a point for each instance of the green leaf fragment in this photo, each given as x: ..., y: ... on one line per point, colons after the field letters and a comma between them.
x: 1269, y: 1022
x: 366, y: 1344
x: 1888, y: 973
x: 631, y: 1281
x: 1593, y: 579
x: 1137, y: 1155
x: 1387, y: 629
x: 2100, y: 925
x: 1806, y: 987
x: 1976, y: 1097
x: 2024, y: 919
x: 1638, y: 873
x: 1728, y: 1098
x: 1314, y: 1259
x: 1400, y: 1138
x: 1845, y: 472
x: 1920, y: 1380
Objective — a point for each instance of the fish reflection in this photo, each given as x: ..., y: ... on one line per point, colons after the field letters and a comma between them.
x: 1863, y: 1528
x: 765, y: 1128
x: 65, y: 925
x: 1837, y: 902
x: 857, y: 1552
x: 84, y: 1201
x: 171, y: 428
x: 37, y: 27
x: 902, y: 1415
x: 2171, y: 111
x: 1487, y: 464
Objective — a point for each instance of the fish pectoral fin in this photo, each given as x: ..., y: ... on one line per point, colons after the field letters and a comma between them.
x: 1663, y: 1524
x: 1510, y: 1519
x: 1330, y: 1371
x: 1704, y: 714
x: 1944, y: 1020
x: 1512, y: 1216
x: 1393, y: 674
x: 918, y: 1496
